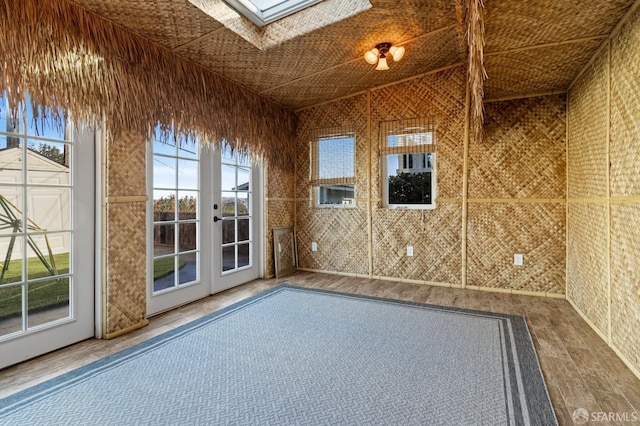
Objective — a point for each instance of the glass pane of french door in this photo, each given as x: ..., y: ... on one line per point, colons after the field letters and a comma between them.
x: 176, y: 223
x: 236, y: 209
x: 35, y: 222
x: 47, y: 228
x: 177, y: 218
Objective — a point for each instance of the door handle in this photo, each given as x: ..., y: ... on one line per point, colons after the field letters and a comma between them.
x: 216, y: 218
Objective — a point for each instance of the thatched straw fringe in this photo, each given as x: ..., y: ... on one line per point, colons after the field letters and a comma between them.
x: 70, y: 59
x: 476, y: 71
x: 460, y: 18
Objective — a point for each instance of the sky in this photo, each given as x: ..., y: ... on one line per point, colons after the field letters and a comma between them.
x: 42, y: 129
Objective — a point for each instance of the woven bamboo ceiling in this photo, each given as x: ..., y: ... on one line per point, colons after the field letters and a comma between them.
x: 533, y: 46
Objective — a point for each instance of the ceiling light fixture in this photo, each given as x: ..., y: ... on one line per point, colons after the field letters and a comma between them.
x: 379, y: 55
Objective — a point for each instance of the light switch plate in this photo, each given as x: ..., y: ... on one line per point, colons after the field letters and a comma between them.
x: 410, y: 251
x: 314, y: 246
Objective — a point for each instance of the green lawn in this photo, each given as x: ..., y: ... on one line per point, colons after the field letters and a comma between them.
x: 165, y: 266
x: 55, y: 292
x: 42, y: 295
x: 35, y: 268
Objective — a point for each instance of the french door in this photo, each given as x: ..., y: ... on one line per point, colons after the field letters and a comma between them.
x: 175, y: 272
x: 202, y: 221
x: 47, y: 228
x: 237, y: 219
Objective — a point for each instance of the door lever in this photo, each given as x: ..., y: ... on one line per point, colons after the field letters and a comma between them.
x: 216, y: 218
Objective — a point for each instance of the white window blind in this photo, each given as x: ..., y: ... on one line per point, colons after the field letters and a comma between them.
x: 333, y: 156
x: 409, y: 136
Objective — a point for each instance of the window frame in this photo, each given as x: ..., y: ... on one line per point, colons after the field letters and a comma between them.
x: 343, y: 205
x: 385, y: 185
x: 318, y: 183
x: 264, y: 17
x: 407, y: 127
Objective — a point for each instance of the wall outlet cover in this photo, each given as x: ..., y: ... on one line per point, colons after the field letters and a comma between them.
x: 314, y: 246
x: 409, y: 250
x: 518, y: 259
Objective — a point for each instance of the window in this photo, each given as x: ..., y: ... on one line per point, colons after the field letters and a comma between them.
x: 263, y: 12
x: 333, y: 173
x: 36, y: 219
x: 236, y: 199
x: 407, y: 150
x: 176, y: 195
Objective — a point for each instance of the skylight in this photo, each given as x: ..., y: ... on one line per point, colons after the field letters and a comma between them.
x: 263, y: 12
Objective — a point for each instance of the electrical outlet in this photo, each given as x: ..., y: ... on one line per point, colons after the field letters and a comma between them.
x: 518, y: 259
x: 409, y: 251
x: 314, y: 246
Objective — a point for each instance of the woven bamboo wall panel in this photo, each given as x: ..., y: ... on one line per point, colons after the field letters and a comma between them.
x: 498, y: 231
x: 280, y: 183
x: 522, y: 154
x: 126, y: 233
x: 537, y: 70
x: 588, y: 261
x: 588, y: 120
x: 280, y: 215
x: 350, y: 113
x: 625, y: 109
x: 435, y: 237
x: 625, y: 280
x: 516, y: 23
x: 341, y: 235
x: 126, y: 265
x: 440, y: 96
x: 126, y: 166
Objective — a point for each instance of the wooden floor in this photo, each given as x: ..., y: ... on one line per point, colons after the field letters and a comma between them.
x: 579, y: 368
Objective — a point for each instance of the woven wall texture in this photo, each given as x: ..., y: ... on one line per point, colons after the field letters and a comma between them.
x: 528, y: 132
x: 613, y: 75
x: 279, y: 209
x: 588, y: 261
x: 440, y: 96
x: 436, y: 239
x: 498, y: 231
x: 126, y: 303
x: 625, y: 181
x: 434, y: 234
x: 126, y: 164
x: 587, y: 229
x: 625, y: 280
x: 588, y: 115
x: 625, y: 109
x: 523, y: 151
x: 341, y: 233
x: 126, y: 266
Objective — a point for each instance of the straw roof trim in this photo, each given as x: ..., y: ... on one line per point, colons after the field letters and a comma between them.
x: 70, y: 59
x: 476, y: 71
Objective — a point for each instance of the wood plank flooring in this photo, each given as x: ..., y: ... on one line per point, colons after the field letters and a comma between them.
x: 581, y: 371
